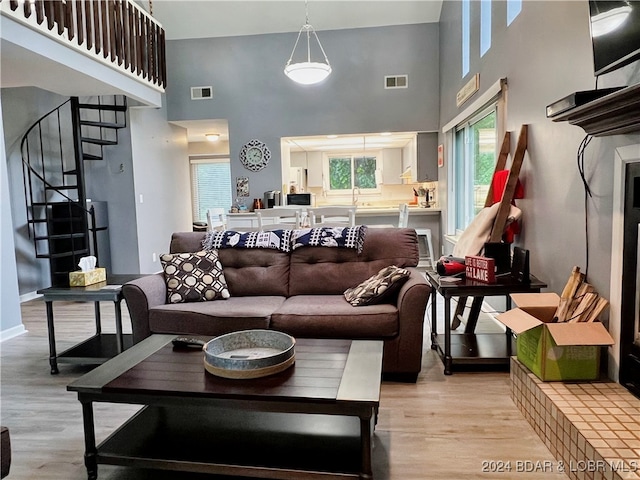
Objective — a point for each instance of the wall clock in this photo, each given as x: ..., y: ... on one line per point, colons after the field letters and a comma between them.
x: 254, y: 155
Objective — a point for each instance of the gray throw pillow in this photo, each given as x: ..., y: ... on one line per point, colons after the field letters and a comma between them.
x: 380, y: 288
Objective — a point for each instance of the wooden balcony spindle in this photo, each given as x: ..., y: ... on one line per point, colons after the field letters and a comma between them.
x: 105, y: 28
x: 68, y: 7
x: 48, y: 14
x: 39, y: 7
x: 126, y: 37
x: 80, y: 21
x: 26, y: 9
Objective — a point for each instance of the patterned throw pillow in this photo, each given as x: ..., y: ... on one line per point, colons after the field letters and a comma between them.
x: 194, y: 277
x: 380, y: 288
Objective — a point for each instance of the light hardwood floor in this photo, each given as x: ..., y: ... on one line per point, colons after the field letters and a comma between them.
x: 441, y: 428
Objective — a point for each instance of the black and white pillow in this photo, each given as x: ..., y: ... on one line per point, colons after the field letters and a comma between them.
x: 379, y: 288
x: 194, y: 277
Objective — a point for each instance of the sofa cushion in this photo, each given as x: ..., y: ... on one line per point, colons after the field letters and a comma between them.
x: 248, y: 271
x: 194, y: 277
x: 214, y: 318
x: 379, y: 288
x: 331, y: 316
x: 330, y: 271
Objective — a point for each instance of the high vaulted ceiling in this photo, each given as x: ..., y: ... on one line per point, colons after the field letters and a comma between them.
x: 182, y: 19
x: 211, y: 18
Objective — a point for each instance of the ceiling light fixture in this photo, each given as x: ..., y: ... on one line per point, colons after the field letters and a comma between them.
x: 212, y: 137
x: 609, y: 20
x: 307, y: 73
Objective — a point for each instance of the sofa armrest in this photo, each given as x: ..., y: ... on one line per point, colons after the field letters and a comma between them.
x: 406, y: 351
x: 142, y: 294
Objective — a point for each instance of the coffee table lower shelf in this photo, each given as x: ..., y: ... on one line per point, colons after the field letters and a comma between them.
x: 233, y: 442
x: 95, y: 350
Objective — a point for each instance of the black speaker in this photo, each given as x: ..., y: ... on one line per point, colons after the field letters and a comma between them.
x: 501, y: 253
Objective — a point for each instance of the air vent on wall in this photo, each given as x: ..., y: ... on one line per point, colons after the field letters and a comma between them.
x: 201, y: 93
x: 396, y: 81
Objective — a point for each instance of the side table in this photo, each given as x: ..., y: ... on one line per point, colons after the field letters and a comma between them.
x: 101, y: 346
x: 470, y: 348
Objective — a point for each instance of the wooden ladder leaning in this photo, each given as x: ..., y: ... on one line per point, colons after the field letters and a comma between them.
x: 500, y: 222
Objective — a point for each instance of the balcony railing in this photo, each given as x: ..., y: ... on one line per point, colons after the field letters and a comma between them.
x: 115, y: 32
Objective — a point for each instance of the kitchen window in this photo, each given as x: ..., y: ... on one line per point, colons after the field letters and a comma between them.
x: 348, y: 171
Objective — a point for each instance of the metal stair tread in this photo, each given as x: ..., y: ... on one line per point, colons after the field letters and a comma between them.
x: 62, y: 254
x: 93, y: 106
x: 98, y: 141
x: 91, y: 123
x: 59, y: 236
x: 61, y: 187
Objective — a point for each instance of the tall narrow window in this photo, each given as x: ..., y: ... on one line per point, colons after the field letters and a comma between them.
x: 210, y: 186
x: 475, y: 160
x: 514, y: 7
x: 485, y: 26
x: 466, y: 35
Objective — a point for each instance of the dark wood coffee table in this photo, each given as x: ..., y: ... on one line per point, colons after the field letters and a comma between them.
x: 314, y: 420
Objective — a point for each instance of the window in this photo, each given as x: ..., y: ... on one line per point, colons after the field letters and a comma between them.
x: 349, y: 171
x: 210, y: 186
x: 466, y: 35
x: 514, y: 7
x: 475, y: 156
x: 485, y: 26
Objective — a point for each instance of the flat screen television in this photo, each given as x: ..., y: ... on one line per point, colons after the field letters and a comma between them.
x: 615, y: 33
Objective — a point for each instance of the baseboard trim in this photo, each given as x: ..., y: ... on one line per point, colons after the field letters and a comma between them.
x: 12, y: 332
x: 29, y: 296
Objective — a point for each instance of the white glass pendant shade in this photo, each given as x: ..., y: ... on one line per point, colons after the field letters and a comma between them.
x: 606, y: 22
x: 307, y: 73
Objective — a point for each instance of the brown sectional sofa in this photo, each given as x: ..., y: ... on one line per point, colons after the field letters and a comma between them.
x: 300, y: 293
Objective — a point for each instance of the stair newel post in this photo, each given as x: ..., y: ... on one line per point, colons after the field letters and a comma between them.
x: 94, y: 235
x: 79, y: 161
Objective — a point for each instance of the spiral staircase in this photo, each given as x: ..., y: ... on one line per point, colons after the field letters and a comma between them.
x: 60, y: 222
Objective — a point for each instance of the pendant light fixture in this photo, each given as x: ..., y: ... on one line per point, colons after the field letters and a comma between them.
x: 307, y: 73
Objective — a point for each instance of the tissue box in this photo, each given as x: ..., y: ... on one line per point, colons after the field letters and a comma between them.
x: 82, y: 279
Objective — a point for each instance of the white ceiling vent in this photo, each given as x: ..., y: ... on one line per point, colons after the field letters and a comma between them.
x: 396, y: 81
x: 201, y: 93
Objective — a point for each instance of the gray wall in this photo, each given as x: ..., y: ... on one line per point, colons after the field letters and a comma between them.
x: 21, y: 107
x: 10, y: 315
x: 545, y: 55
x: 259, y: 101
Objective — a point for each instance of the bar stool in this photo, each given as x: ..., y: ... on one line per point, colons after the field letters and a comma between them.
x: 403, y: 222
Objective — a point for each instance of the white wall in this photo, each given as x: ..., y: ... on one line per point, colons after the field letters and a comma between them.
x: 161, y: 181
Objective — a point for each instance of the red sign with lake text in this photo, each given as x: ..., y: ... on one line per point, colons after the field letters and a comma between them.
x: 482, y: 269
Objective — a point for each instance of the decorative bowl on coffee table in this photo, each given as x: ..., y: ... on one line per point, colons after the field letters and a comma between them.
x: 249, y: 354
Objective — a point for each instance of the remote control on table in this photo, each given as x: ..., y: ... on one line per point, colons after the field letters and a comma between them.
x: 188, y: 342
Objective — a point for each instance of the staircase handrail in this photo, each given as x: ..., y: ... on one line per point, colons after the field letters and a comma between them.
x: 32, y: 170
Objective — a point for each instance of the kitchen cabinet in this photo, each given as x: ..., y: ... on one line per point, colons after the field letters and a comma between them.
x: 391, y: 166
x: 314, y: 169
x: 426, y: 157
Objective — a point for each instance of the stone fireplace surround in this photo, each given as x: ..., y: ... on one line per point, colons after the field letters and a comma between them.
x: 591, y: 428
x: 623, y: 156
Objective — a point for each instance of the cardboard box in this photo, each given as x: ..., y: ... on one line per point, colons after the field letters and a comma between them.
x: 554, y: 351
x: 82, y: 279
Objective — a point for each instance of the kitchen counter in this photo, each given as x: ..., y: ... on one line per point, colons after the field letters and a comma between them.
x: 419, y: 217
